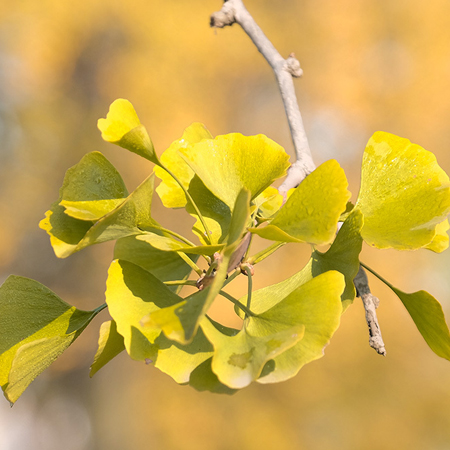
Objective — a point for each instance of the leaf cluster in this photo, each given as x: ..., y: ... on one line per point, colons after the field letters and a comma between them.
x: 224, y: 183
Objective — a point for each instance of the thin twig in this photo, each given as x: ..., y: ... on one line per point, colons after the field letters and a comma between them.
x: 234, y: 11
x: 370, y: 305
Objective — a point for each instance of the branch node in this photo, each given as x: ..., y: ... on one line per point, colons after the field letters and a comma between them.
x: 293, y: 66
x: 223, y: 18
x: 370, y: 303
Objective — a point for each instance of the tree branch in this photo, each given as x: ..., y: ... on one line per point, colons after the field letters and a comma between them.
x: 234, y: 11
x: 370, y: 305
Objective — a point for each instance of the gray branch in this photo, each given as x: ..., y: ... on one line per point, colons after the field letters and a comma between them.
x: 234, y: 11
x: 370, y: 305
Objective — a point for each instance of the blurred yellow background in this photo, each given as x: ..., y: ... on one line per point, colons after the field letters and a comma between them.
x: 368, y: 66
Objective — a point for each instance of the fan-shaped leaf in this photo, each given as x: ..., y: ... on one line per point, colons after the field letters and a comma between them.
x: 230, y: 163
x: 342, y: 256
x: 110, y: 344
x: 166, y: 266
x: 216, y: 214
x: 239, y: 359
x: 36, y: 326
x: 204, y: 379
x: 69, y: 235
x: 178, y: 361
x: 316, y: 305
x: 122, y: 127
x: 312, y: 211
x: 169, y: 190
x: 404, y: 195
x: 427, y: 314
x: 429, y: 318
x: 131, y: 294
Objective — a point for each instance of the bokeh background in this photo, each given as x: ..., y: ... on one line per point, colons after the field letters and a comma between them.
x: 368, y: 65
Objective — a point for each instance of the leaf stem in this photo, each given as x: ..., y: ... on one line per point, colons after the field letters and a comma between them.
x: 263, y: 254
x: 202, y: 220
x: 232, y: 277
x: 190, y: 263
x: 250, y: 286
x: 180, y: 283
x: 377, y: 275
x: 244, y: 308
x: 99, y: 309
x: 178, y: 236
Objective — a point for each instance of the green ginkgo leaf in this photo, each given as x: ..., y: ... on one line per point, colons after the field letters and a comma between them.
x: 232, y: 162
x: 69, y: 235
x: 131, y: 294
x: 204, y: 379
x: 239, y: 360
x: 404, y: 195
x: 312, y: 211
x: 269, y: 202
x: 168, y: 244
x: 90, y: 210
x: 179, y: 361
x: 429, y: 318
x: 343, y: 256
x: 180, y: 321
x: 169, y: 190
x: 440, y: 240
x: 36, y: 326
x: 166, y: 266
x: 427, y: 314
x: 122, y: 127
x: 110, y: 344
x: 216, y: 214
x: 316, y: 305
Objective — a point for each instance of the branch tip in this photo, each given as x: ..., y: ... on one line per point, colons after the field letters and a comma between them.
x: 370, y: 303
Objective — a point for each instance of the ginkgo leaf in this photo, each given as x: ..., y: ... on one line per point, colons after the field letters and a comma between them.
x: 168, y: 244
x: 428, y: 316
x: 110, y: 344
x: 343, y: 256
x: 131, y: 294
x: 317, y: 306
x: 69, y: 235
x: 232, y: 162
x: 312, y: 211
x: 270, y: 201
x: 122, y: 127
x: 238, y: 360
x: 94, y: 181
x: 216, y: 214
x: 179, y: 361
x: 204, y: 379
x: 169, y: 190
x: 440, y: 239
x: 180, y: 321
x: 90, y: 210
x: 166, y: 266
x: 404, y: 195
x: 36, y: 326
